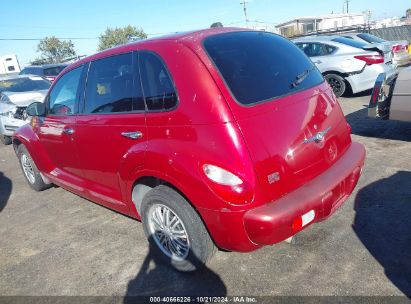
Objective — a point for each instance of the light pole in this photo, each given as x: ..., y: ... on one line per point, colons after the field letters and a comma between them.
x: 244, y: 3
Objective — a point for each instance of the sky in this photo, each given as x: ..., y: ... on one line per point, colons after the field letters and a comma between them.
x: 90, y: 18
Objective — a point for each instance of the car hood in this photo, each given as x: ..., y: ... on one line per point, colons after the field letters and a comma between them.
x: 23, y: 99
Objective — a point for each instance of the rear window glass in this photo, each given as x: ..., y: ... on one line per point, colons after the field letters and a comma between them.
x: 54, y: 71
x: 370, y: 38
x: 259, y: 66
x: 33, y: 71
x: 24, y: 84
x: 350, y: 42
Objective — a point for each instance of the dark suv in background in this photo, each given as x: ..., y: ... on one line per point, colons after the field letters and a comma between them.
x: 48, y: 71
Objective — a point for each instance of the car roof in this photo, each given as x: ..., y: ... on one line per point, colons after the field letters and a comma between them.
x: 317, y: 38
x: 192, y: 37
x: 46, y: 66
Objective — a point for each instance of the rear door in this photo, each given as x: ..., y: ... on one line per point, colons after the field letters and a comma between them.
x: 319, y: 53
x: 289, y: 118
x: 111, y: 132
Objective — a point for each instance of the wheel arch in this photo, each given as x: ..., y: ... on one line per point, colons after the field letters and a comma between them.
x: 342, y: 74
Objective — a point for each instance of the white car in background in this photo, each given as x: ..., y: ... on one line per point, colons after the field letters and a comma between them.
x: 399, y: 48
x: 16, y: 93
x: 346, y: 62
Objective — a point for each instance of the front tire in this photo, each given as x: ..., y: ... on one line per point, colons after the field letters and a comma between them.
x: 337, y: 83
x: 30, y: 171
x: 6, y: 140
x: 175, y: 231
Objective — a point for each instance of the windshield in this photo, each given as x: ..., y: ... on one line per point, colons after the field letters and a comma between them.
x: 260, y: 66
x: 370, y: 38
x: 24, y: 84
x: 350, y: 42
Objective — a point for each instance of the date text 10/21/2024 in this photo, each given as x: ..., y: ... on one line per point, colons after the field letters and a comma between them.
x: 205, y: 299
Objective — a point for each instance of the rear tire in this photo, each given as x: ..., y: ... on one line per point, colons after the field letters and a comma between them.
x: 30, y: 171
x: 337, y: 83
x: 175, y: 231
x: 6, y: 140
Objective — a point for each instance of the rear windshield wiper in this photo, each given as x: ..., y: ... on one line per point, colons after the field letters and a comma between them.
x: 300, y: 77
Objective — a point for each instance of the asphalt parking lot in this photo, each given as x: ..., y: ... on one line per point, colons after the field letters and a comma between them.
x: 56, y: 243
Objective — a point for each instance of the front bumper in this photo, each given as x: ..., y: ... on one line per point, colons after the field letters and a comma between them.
x: 9, y: 125
x: 273, y: 222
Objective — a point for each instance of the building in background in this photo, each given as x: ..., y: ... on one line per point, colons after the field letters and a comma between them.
x: 9, y: 64
x: 306, y: 25
x: 388, y: 22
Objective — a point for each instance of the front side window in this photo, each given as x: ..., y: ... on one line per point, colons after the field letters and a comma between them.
x: 158, y: 87
x: 63, y: 97
x: 110, y: 85
x: 260, y: 66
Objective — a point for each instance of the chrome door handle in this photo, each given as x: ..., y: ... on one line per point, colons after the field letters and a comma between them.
x: 68, y: 131
x: 317, y: 62
x: 132, y: 135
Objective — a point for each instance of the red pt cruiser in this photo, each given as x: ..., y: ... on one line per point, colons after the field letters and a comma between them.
x: 223, y: 138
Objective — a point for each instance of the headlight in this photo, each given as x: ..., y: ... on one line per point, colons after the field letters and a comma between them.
x: 7, y: 108
x: 6, y: 100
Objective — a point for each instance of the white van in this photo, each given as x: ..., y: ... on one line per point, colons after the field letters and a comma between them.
x: 9, y: 64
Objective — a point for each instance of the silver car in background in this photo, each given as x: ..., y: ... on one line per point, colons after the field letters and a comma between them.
x: 399, y: 48
x: 348, y: 63
x: 16, y: 93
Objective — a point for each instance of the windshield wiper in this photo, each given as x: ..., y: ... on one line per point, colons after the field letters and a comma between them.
x: 300, y: 77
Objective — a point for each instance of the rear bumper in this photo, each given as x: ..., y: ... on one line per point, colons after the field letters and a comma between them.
x: 402, y: 58
x: 273, y: 222
x: 366, y: 79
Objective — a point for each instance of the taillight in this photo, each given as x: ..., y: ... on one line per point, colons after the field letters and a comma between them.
x: 227, y: 185
x: 371, y: 59
x: 375, y: 94
x: 221, y: 176
x: 396, y: 48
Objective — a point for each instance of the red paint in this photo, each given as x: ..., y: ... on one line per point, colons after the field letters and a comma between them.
x: 208, y: 127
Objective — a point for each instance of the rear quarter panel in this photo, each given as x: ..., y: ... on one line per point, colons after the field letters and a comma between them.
x: 201, y: 129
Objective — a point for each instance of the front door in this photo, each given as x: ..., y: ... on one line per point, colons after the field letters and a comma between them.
x: 57, y: 130
x: 111, y: 132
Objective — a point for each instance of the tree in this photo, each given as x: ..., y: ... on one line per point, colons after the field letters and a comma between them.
x: 118, y: 36
x: 408, y: 13
x: 54, y: 50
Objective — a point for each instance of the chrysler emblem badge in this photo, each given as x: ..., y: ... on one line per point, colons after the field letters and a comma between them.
x: 317, y: 137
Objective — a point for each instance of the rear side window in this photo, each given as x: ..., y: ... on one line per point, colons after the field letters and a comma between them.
x: 54, y: 71
x: 158, y: 87
x: 350, y: 42
x: 63, y: 97
x: 316, y: 49
x: 260, y: 66
x: 370, y: 38
x: 110, y: 85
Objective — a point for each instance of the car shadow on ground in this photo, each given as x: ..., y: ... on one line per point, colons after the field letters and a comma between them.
x: 157, y: 279
x: 363, y: 125
x: 5, y: 190
x: 383, y: 224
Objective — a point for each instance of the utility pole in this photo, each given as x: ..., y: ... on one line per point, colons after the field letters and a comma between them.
x: 346, y: 3
x: 244, y: 3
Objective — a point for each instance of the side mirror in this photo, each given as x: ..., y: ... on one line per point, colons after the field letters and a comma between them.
x: 36, y: 109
